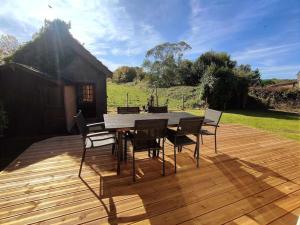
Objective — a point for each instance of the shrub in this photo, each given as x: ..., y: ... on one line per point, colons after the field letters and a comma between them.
x: 280, y: 98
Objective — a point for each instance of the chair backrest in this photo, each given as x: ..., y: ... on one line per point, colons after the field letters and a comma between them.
x: 81, y: 124
x: 128, y: 110
x: 150, y: 129
x: 213, y: 115
x: 158, y: 109
x: 190, y: 125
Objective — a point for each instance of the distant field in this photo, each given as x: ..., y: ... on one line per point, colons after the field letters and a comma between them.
x: 282, y: 123
x: 138, y: 95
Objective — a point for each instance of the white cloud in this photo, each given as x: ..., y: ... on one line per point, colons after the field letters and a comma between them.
x: 266, y: 52
x: 216, y: 22
x: 280, y: 71
x: 104, y: 27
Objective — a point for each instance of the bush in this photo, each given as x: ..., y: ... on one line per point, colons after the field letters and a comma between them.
x: 278, y: 98
x: 125, y: 74
x: 218, y: 86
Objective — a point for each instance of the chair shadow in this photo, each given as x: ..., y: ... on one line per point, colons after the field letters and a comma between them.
x: 258, y: 173
x: 141, y: 170
x: 106, y: 182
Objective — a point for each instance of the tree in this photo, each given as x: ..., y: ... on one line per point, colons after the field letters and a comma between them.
x: 140, y: 74
x: 161, y: 63
x: 220, y: 59
x: 124, y: 74
x: 49, y: 51
x: 186, y: 73
x: 8, y: 45
x: 217, y: 86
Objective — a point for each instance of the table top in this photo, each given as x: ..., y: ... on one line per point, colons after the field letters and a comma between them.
x: 126, y: 121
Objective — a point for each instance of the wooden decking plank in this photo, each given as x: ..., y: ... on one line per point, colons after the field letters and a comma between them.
x: 140, y: 210
x: 218, y: 176
x: 244, y: 206
x: 4, y: 185
x: 289, y: 218
x: 41, y: 185
x: 51, y: 201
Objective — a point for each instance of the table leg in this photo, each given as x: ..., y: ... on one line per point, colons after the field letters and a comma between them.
x: 120, y: 150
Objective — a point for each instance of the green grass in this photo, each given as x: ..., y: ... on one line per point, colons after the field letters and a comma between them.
x: 282, y: 123
x: 138, y: 95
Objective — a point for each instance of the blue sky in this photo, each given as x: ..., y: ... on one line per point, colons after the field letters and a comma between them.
x: 262, y: 33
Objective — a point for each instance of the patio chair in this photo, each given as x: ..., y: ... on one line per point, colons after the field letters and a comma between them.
x: 158, y: 109
x: 128, y: 110
x: 179, y: 138
x: 147, y: 135
x: 92, y: 140
x: 214, y: 117
x: 92, y: 127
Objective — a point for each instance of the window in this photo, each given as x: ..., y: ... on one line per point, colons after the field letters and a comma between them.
x: 87, y: 93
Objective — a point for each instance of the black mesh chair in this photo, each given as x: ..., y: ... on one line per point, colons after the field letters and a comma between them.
x: 214, y: 117
x: 148, y: 135
x: 179, y: 138
x: 92, y: 127
x: 128, y: 110
x: 92, y: 140
x: 158, y: 109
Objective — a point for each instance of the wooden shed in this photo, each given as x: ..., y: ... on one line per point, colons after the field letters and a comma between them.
x: 38, y: 104
x: 46, y: 81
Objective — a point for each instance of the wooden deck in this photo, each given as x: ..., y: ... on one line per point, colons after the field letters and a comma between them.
x: 255, y: 179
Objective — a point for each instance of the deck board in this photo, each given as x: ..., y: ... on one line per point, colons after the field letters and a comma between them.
x: 254, y: 179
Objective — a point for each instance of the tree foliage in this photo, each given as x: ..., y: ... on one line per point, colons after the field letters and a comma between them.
x: 186, y: 73
x: 49, y: 50
x: 8, y: 45
x: 162, y: 63
x: 125, y: 74
x: 223, y: 84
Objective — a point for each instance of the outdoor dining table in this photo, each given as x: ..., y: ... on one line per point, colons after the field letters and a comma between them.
x: 125, y: 122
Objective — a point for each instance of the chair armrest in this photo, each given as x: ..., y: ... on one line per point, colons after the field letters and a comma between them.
x: 210, y: 124
x: 95, y: 124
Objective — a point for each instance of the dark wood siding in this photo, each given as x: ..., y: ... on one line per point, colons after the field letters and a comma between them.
x: 34, y: 105
x: 80, y: 71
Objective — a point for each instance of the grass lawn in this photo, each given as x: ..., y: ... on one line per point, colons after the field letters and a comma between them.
x: 282, y: 123
x: 138, y: 95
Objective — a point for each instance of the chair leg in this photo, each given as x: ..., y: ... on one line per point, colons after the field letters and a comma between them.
x: 163, y: 158
x: 149, y: 153
x: 216, y: 143
x: 201, y: 138
x: 175, y: 166
x: 82, y: 159
x: 113, y: 149
x: 198, y: 150
x: 153, y: 153
x: 133, y: 166
x: 125, y: 149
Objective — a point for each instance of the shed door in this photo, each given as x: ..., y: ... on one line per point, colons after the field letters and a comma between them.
x: 86, y: 99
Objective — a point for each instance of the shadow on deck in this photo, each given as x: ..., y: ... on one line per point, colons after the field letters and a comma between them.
x: 254, y: 178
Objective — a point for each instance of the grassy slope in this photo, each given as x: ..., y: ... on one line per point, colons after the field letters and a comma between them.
x: 138, y: 94
x: 284, y: 124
